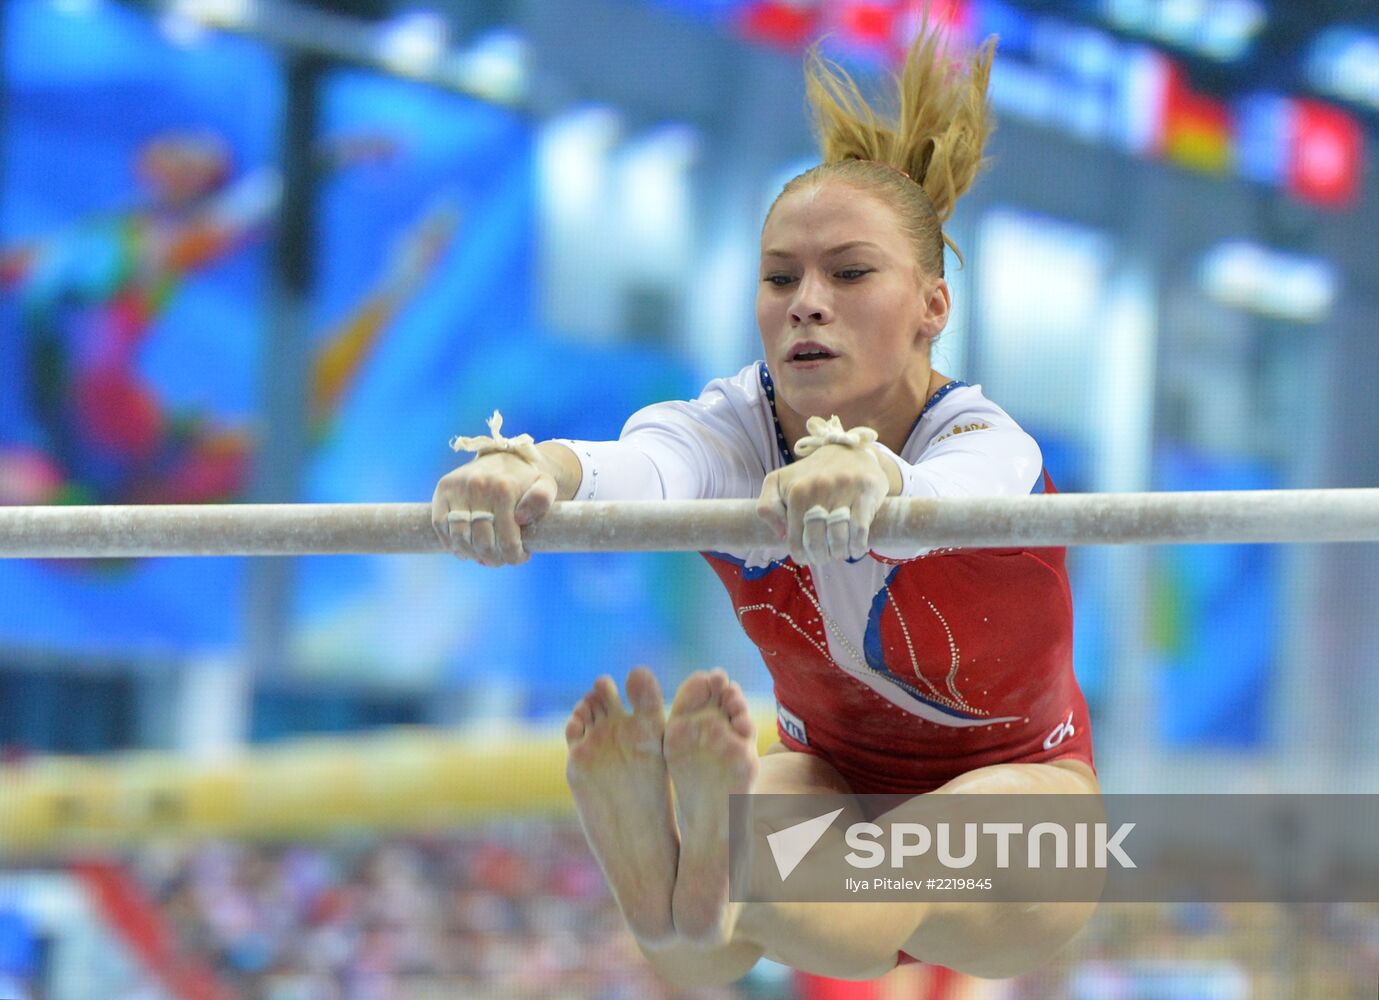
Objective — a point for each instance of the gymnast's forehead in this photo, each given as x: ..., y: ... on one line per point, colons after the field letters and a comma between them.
x: 826, y: 215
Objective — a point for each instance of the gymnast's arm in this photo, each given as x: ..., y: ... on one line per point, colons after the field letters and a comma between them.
x: 693, y: 450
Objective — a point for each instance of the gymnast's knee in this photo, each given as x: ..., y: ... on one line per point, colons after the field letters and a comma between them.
x: 862, y: 948
x: 997, y: 940
x: 686, y: 967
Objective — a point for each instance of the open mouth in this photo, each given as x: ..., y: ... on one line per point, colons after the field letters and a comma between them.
x: 808, y: 353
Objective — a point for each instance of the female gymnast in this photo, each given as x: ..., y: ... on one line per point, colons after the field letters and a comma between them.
x: 895, y: 670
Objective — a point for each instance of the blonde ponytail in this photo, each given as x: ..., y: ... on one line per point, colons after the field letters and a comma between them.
x: 935, y: 139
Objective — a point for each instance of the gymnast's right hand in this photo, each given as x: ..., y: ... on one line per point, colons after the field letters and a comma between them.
x: 478, y: 510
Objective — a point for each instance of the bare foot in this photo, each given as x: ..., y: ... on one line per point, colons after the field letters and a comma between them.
x: 618, y: 776
x: 711, y: 752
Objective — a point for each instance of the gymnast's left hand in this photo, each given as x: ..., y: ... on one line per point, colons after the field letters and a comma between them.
x: 822, y: 505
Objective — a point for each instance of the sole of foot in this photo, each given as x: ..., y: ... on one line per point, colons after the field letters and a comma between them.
x: 710, y: 752
x: 618, y: 776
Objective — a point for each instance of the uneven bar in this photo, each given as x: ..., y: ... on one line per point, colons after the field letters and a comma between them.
x: 71, y: 532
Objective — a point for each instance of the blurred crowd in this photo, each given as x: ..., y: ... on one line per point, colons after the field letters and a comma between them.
x: 520, y: 910
x: 502, y: 912
x: 1216, y: 951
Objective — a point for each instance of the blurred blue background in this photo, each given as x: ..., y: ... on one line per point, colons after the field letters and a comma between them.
x: 283, y: 252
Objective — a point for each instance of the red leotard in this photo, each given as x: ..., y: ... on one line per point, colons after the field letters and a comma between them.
x: 977, y: 642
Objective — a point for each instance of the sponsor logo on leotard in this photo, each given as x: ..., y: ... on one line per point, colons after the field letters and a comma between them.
x: 1060, y: 733
x: 963, y: 429
x: 791, y: 723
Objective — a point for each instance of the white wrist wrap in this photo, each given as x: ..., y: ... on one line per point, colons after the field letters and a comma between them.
x: 522, y: 445
x: 830, y: 431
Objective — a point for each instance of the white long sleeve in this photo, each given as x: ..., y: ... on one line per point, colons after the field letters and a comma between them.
x: 706, y: 448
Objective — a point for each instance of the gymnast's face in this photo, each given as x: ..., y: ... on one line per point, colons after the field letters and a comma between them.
x: 846, y: 315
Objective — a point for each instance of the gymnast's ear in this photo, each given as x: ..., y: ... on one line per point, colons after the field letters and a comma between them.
x: 938, y: 303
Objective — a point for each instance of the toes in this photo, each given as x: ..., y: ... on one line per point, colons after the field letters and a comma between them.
x: 604, y: 698
x: 644, y: 692
x: 694, y: 693
x: 574, y: 729
x: 580, y: 720
x: 703, y: 689
x: 740, y: 717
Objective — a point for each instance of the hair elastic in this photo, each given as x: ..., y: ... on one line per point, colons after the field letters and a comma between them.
x: 888, y: 166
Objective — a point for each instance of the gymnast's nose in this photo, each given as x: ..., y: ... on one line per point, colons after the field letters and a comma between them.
x: 810, y: 304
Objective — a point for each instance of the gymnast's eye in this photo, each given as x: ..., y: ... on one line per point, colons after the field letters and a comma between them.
x: 854, y: 273
x: 779, y: 280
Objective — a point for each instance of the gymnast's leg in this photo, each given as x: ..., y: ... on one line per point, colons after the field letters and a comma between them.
x: 675, y: 899
x: 849, y: 940
x: 999, y: 940
x: 675, y: 902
